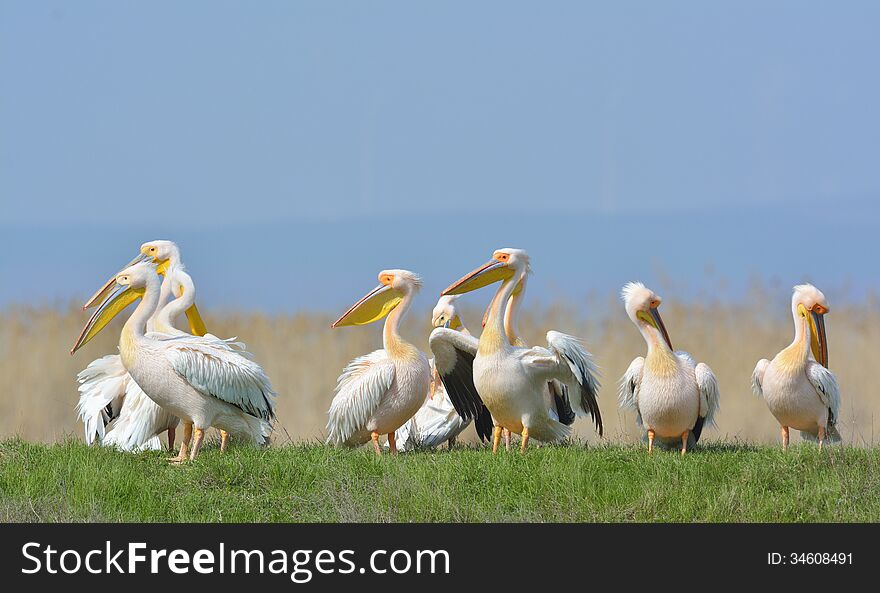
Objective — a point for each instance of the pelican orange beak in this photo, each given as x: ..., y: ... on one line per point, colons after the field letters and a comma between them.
x: 378, y: 303
x: 117, y: 299
x: 652, y: 318
x: 818, y: 339
x: 489, y: 273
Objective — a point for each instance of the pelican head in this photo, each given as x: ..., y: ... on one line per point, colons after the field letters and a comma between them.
x: 809, y: 303
x: 394, y: 286
x: 160, y: 252
x: 505, y: 263
x: 445, y: 313
x: 128, y: 285
x: 642, y: 307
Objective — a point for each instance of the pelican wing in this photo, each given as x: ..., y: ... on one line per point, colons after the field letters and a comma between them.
x: 561, y: 404
x: 140, y: 422
x: 454, y: 354
x: 359, y: 389
x: 710, y: 396
x: 758, y: 377
x: 826, y: 387
x: 628, y: 391
x: 102, y: 387
x: 567, y: 361
x: 220, y: 369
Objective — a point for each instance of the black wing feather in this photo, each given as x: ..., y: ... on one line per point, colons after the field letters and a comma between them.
x: 459, y: 384
x: 562, y: 403
x: 484, y: 425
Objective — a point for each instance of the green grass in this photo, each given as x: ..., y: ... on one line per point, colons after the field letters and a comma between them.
x: 72, y: 482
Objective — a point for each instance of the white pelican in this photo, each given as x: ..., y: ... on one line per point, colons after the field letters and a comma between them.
x: 556, y: 394
x: 378, y: 392
x: 672, y: 395
x: 798, y: 387
x: 511, y: 380
x: 437, y: 421
x: 106, y: 389
x: 205, y: 381
x: 141, y: 419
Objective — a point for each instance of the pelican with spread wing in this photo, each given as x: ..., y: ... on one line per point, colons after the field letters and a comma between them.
x: 107, y: 392
x: 511, y: 380
x: 437, y: 421
x: 378, y: 392
x: 203, y: 380
x: 673, y: 395
x: 798, y: 387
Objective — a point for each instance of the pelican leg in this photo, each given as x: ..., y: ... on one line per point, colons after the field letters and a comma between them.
x: 224, y: 439
x: 392, y: 443
x: 171, y: 433
x: 374, y: 436
x: 525, y: 440
x: 451, y: 443
x: 197, y: 443
x: 821, y: 436
x: 684, y: 441
x: 650, y: 441
x: 506, y: 440
x: 184, y: 444
x: 785, y: 438
x: 496, y: 439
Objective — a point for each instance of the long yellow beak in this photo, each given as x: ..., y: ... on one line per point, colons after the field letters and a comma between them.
x: 818, y: 339
x: 117, y: 300
x: 654, y: 320
x: 489, y: 273
x: 378, y: 303
x: 108, y: 286
x: 197, y: 326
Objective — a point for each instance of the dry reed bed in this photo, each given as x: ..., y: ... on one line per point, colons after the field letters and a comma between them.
x: 303, y: 357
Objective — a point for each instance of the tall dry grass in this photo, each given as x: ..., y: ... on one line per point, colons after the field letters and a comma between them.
x: 303, y: 358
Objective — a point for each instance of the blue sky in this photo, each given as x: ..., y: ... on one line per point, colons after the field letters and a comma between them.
x: 329, y: 140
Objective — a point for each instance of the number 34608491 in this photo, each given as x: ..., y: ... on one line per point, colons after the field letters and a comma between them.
x: 777, y: 558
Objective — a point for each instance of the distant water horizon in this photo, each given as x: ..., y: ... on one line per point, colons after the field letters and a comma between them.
x: 322, y: 265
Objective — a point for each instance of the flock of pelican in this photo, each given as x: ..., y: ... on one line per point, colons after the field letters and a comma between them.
x: 163, y: 376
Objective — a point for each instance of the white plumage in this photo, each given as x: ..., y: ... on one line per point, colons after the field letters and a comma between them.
x: 511, y: 380
x: 107, y: 392
x: 359, y: 389
x: 203, y: 380
x: 102, y: 388
x: 379, y: 392
x: 673, y: 396
x: 797, y: 386
x: 221, y: 369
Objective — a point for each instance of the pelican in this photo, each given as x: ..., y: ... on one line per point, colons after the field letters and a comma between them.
x: 141, y: 419
x: 378, y: 392
x: 107, y: 392
x: 672, y: 395
x: 437, y: 421
x: 203, y: 380
x: 556, y: 394
x: 798, y: 387
x: 511, y: 380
